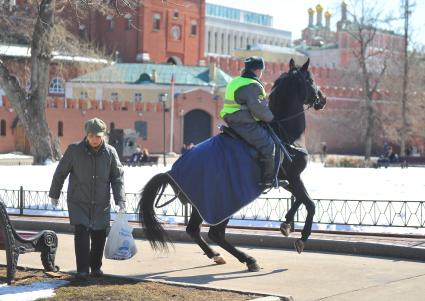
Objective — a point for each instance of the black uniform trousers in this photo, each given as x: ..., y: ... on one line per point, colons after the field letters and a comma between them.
x: 89, y: 255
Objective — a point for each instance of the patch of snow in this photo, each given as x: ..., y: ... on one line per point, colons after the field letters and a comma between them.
x: 29, y: 292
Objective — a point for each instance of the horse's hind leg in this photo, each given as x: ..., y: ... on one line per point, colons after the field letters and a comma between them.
x: 217, y: 234
x: 194, y: 230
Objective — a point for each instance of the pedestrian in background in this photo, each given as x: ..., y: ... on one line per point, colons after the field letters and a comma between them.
x: 93, y: 167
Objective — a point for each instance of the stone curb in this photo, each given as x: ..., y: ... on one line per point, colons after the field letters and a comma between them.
x: 265, y: 241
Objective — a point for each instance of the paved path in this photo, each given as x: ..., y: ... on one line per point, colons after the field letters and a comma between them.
x: 310, y: 276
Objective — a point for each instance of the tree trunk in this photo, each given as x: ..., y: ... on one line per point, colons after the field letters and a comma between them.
x: 370, y: 128
x: 404, y: 127
x: 370, y: 106
x: 31, y: 107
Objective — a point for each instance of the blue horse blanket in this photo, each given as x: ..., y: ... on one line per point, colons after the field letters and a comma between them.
x: 219, y: 177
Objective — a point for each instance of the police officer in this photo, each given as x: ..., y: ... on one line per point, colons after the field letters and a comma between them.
x: 244, y: 107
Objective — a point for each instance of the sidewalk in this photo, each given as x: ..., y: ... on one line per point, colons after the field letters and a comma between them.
x: 412, y: 248
x: 312, y: 275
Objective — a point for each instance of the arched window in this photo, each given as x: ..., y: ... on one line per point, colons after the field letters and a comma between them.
x: 3, y: 127
x: 111, y: 126
x: 56, y: 86
x: 60, y: 129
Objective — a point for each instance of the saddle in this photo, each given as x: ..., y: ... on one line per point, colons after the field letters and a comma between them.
x: 280, y: 156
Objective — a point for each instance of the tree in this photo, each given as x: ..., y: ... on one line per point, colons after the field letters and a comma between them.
x: 45, y: 25
x: 371, y: 60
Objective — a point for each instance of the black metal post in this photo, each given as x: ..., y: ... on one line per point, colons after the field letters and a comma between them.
x: 292, y: 205
x: 21, y: 200
x: 186, y: 214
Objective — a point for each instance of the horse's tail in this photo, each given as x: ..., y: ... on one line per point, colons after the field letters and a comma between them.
x: 153, y: 230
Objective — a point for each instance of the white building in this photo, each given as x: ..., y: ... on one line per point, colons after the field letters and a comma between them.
x: 227, y: 29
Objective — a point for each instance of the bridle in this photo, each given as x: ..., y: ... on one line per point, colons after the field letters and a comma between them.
x: 316, y: 102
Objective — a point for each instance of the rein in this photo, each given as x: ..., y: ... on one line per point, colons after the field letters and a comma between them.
x: 293, y: 116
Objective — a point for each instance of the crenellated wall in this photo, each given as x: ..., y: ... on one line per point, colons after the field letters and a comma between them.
x: 73, y: 114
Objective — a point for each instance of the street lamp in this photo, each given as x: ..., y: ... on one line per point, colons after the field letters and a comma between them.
x: 163, y: 99
x: 181, y: 114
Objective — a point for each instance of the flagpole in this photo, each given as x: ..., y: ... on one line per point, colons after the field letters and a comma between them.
x: 172, y: 113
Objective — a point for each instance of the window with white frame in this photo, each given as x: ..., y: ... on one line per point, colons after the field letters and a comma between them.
x: 138, y: 97
x: 114, y: 96
x: 56, y: 86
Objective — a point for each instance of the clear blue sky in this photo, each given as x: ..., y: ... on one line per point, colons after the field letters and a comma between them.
x: 292, y: 15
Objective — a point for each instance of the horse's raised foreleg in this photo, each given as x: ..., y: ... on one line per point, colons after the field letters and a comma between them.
x: 297, y: 188
x: 217, y: 234
x: 194, y: 230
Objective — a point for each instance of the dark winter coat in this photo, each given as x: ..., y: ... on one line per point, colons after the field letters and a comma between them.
x: 92, y: 174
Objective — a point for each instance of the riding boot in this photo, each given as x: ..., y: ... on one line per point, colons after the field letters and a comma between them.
x: 267, y: 172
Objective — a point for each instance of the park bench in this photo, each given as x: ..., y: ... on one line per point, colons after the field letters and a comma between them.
x: 20, y: 242
x: 406, y: 161
x: 152, y: 160
x: 403, y: 162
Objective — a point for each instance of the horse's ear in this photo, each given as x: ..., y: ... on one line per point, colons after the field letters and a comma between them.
x: 305, y: 66
x: 291, y: 64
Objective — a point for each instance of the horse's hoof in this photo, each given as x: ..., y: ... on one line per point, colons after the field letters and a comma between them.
x: 299, y: 245
x: 219, y: 260
x: 285, y: 228
x: 253, y: 267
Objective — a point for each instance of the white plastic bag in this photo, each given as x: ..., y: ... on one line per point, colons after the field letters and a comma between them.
x: 120, y: 243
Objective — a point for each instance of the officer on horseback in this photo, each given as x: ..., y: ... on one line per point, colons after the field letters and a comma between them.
x: 244, y: 108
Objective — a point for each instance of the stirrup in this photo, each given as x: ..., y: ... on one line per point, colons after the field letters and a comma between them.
x: 266, y: 187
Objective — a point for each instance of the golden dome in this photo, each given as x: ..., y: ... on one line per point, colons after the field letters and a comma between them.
x: 319, y: 8
x: 310, y: 11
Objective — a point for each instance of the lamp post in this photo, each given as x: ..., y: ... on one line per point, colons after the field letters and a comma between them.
x: 181, y: 113
x: 163, y: 99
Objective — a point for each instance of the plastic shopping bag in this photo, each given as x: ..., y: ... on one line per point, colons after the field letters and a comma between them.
x: 120, y: 243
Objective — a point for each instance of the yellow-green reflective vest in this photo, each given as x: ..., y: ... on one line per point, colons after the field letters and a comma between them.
x: 230, y: 105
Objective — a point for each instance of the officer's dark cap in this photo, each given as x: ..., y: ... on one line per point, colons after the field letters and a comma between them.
x: 254, y: 63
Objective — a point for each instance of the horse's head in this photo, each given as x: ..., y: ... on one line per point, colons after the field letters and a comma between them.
x: 309, y: 92
x: 300, y: 87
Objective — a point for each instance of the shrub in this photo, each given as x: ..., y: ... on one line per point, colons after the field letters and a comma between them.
x: 347, y: 161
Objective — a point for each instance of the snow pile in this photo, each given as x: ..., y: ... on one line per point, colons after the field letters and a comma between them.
x: 31, y: 291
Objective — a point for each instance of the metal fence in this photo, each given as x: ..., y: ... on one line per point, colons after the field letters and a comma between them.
x: 328, y: 211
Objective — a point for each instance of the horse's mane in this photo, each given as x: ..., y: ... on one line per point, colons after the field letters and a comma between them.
x: 283, y: 103
x: 279, y: 84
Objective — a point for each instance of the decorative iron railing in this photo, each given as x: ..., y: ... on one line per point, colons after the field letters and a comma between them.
x: 328, y: 211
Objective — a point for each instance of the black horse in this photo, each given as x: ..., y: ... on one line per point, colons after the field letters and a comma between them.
x: 291, y: 91
x: 285, y: 101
